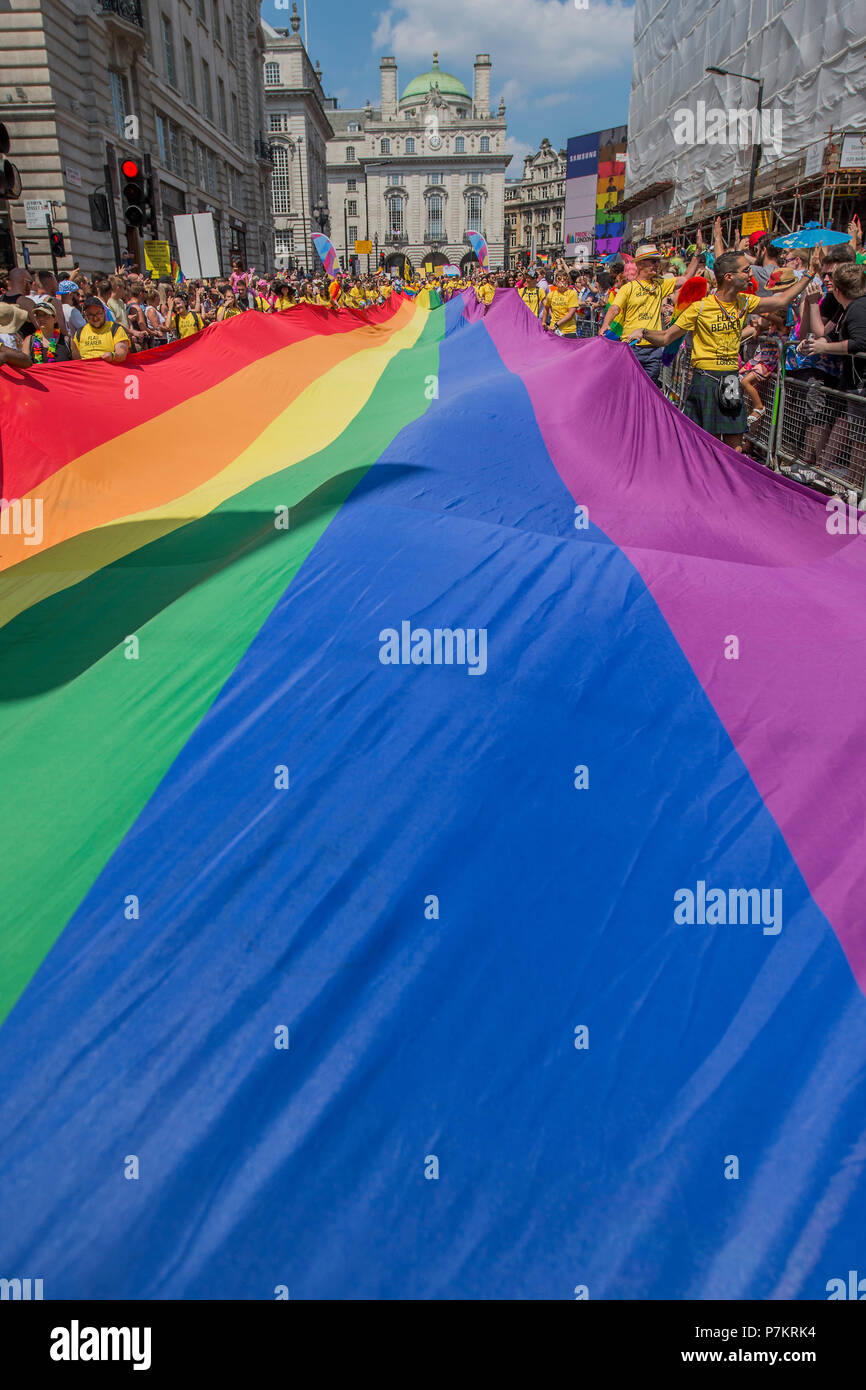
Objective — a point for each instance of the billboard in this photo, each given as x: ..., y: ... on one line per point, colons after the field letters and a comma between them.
x: 609, y: 226
x: 581, y: 182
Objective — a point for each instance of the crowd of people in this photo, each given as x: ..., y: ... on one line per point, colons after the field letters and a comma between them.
x: 744, y: 306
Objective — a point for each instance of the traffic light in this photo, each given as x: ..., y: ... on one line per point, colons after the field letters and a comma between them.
x: 10, y: 179
x: 58, y: 246
x: 132, y: 193
x: 381, y: 260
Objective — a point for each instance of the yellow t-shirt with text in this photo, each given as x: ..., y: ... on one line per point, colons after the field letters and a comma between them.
x: 96, y: 342
x: 560, y: 303
x: 533, y: 298
x: 640, y: 304
x: 717, y: 329
x: 485, y: 293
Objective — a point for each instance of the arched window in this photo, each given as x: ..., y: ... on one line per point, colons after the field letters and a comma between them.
x: 434, y: 217
x: 280, y: 182
x: 350, y: 153
x: 410, y: 145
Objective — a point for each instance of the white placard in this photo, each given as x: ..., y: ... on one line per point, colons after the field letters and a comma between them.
x: 814, y: 159
x: 853, y: 154
x: 195, y: 234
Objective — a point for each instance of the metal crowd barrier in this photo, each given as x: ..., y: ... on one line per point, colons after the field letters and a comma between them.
x: 809, y: 431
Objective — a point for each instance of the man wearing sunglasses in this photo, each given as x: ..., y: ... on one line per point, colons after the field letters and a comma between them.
x: 639, y: 304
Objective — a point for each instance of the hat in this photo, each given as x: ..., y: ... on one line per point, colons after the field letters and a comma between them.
x: 755, y: 238
x: 44, y: 306
x: 781, y: 278
x: 67, y: 287
x: 647, y: 252
x: 11, y: 318
x: 533, y: 274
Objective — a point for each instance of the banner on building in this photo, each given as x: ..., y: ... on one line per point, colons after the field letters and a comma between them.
x: 755, y: 222
x: 609, y: 223
x: 581, y: 183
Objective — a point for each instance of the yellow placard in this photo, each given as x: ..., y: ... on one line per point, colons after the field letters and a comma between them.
x: 363, y: 248
x: 755, y: 222
x: 157, y: 258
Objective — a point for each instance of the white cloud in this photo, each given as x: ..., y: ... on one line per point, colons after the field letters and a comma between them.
x: 532, y: 43
x: 517, y: 149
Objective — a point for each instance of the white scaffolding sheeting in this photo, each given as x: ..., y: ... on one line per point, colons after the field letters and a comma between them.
x: 811, y: 55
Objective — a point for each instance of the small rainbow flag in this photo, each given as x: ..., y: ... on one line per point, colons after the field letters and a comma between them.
x: 543, y: 257
x: 176, y: 273
x: 324, y: 248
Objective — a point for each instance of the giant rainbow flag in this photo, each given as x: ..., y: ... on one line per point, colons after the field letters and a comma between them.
x: 400, y: 978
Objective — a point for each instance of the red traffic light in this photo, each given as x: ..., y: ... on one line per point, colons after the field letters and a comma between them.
x: 130, y: 169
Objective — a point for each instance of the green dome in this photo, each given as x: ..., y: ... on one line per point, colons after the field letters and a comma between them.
x: 448, y: 85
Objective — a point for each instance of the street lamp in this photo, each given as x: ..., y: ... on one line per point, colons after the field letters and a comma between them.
x: 756, y: 148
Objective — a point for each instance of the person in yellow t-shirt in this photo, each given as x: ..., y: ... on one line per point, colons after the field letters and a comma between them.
x: 484, y: 291
x: 100, y: 338
x: 716, y: 324
x: 284, y: 297
x: 229, y: 308
x: 531, y: 294
x: 183, y: 321
x: 639, y: 304
x: 561, y: 306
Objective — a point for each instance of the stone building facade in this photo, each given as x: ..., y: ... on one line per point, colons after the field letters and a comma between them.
x: 535, y: 207
x: 85, y: 84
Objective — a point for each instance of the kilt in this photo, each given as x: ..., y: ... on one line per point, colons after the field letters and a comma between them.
x: 702, y: 406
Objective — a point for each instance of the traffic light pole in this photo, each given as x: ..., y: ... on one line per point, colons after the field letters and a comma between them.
x: 112, y: 215
x: 50, y: 229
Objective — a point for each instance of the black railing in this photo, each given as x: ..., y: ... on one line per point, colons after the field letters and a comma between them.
x: 129, y: 10
x: 263, y: 150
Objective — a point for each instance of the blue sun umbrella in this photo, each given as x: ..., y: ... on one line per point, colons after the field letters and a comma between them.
x: 811, y: 235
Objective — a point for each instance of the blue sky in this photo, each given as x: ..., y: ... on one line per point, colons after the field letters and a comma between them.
x: 562, y: 70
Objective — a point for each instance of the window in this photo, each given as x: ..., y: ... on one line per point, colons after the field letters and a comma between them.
x: 473, y: 212
x: 462, y: 113
x: 395, y: 216
x: 199, y: 9
x: 410, y: 145
x: 275, y: 123
x: 175, y: 149
x: 200, y: 164
x: 435, y: 178
x: 189, y: 70
x: 384, y: 146
x: 272, y: 74
x: 236, y: 123
x: 206, y: 94
x: 280, y: 185
x: 168, y: 51
x: 353, y: 127
x: 162, y: 139
x: 212, y: 173
x: 235, y: 187
x: 474, y: 177
x: 221, y: 104
x: 485, y: 144
x: 119, y: 92
x: 230, y: 37
x: 351, y: 185
x: 284, y: 241
x: 395, y: 180
x: 353, y: 234
x: 434, y: 217
x: 352, y: 208
x: 460, y: 145
x: 216, y: 22
x: 350, y: 153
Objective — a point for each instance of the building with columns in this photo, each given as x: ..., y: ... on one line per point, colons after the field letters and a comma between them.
x: 535, y: 207
x: 416, y: 173
x: 85, y: 84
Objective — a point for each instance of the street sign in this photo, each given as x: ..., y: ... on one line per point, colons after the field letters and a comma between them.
x: 35, y: 212
x: 363, y: 248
